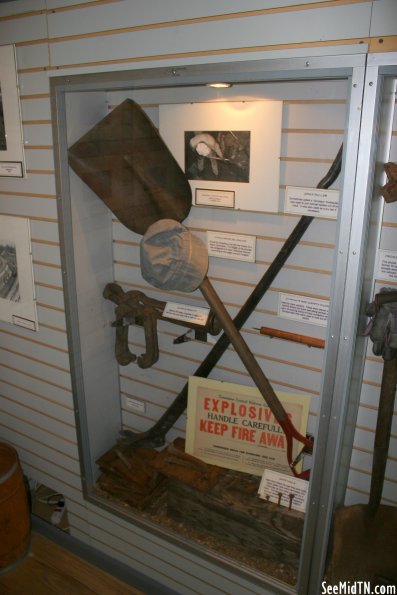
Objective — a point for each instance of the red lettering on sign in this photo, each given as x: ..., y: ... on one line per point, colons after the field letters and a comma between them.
x: 213, y: 427
x: 275, y: 440
x: 243, y: 434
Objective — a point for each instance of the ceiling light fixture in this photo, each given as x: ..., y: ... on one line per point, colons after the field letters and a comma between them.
x: 219, y: 85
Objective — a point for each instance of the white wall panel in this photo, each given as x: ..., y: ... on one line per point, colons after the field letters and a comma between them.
x: 46, y: 253
x: 24, y: 29
x: 32, y: 83
x: 35, y: 108
x: 39, y: 159
x: 50, y: 296
x: 38, y: 368
x: 19, y: 345
x: 89, y: 19
x: 321, y: 115
x: 39, y: 184
x: 384, y: 18
x: 309, y: 145
x: 60, y: 415
x: 25, y: 422
x: 20, y: 7
x: 47, y: 275
x: 36, y: 384
x: 390, y: 214
x: 47, y: 464
x: 34, y: 134
x: 347, y: 21
x: 40, y: 228
x: 388, y: 237
x: 32, y: 56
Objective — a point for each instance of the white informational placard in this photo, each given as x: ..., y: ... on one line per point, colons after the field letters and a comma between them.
x: 11, y: 169
x: 387, y: 265
x: 231, y: 246
x: 283, y: 489
x: 214, y: 198
x: 17, y: 298
x: 186, y: 313
x: 11, y: 145
x: 232, y: 147
x: 311, y: 201
x: 302, y: 308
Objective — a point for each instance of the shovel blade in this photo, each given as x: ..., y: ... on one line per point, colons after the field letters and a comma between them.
x: 363, y: 547
x: 126, y: 163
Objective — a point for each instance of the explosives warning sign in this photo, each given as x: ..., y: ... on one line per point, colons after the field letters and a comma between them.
x: 231, y: 426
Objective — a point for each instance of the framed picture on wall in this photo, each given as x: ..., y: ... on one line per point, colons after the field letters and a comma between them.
x: 229, y: 151
x: 11, y: 146
x: 17, y: 296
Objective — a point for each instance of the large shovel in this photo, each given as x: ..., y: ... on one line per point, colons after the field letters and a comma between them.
x: 364, y: 542
x: 124, y: 160
x: 174, y: 259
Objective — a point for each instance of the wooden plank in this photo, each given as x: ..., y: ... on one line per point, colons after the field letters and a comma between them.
x: 383, y: 44
x: 51, y: 570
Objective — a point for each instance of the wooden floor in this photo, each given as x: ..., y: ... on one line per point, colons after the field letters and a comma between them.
x: 49, y: 569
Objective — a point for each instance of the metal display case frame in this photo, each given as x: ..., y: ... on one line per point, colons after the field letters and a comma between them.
x: 345, y: 348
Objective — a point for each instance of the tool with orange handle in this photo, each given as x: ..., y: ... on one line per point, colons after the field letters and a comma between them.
x: 295, y: 337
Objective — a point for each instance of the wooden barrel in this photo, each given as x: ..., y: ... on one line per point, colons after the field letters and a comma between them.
x: 14, y: 509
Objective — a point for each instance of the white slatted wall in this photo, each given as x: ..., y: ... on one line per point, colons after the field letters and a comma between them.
x: 58, y: 37
x: 361, y: 463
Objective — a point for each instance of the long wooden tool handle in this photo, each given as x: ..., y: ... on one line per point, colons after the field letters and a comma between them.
x: 256, y: 373
x: 382, y: 433
x: 155, y: 436
x: 243, y: 350
x: 295, y: 337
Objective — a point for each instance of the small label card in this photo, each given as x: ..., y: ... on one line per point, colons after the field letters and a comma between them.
x: 186, y: 313
x: 312, y: 201
x: 19, y: 321
x: 304, y: 309
x: 286, y: 490
x: 214, y: 198
x: 11, y: 169
x: 387, y: 265
x: 232, y: 246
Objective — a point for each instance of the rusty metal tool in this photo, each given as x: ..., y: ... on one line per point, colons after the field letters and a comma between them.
x: 134, y: 307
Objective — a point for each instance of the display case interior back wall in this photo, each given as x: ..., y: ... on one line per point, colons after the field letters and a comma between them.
x: 315, y: 110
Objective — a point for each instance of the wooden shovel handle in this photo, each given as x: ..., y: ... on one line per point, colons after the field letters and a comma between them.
x: 257, y: 375
x: 382, y: 433
x: 279, y: 334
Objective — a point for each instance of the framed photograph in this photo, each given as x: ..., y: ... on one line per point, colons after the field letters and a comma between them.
x: 17, y: 298
x: 11, y: 146
x: 227, y: 149
x: 231, y: 426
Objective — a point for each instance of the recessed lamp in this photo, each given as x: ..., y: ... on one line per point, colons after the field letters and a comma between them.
x: 219, y: 85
